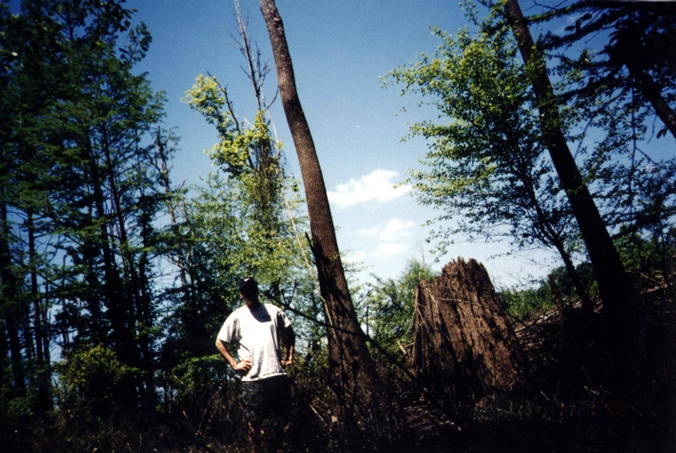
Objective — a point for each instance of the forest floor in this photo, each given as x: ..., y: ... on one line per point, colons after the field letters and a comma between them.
x: 565, y: 408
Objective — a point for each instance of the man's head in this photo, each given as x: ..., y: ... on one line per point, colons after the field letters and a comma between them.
x: 248, y: 288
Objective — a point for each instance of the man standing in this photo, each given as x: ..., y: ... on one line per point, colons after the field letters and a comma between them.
x: 259, y: 331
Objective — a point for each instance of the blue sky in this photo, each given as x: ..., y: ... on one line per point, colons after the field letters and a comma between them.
x: 340, y: 51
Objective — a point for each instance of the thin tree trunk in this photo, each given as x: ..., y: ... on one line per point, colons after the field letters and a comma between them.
x: 166, y: 185
x: 43, y: 375
x: 9, y: 286
x: 556, y: 240
x: 352, y: 368
x: 118, y: 306
x: 651, y: 91
x: 103, y: 242
x: 587, y: 304
x: 617, y: 291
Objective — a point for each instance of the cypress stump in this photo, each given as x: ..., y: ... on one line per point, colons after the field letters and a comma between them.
x: 464, y: 347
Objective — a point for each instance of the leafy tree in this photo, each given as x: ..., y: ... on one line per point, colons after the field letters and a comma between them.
x: 250, y: 159
x: 651, y: 259
x: 90, y: 381
x: 387, y: 308
x: 109, y: 112
x: 620, y: 297
x: 618, y: 89
x: 528, y: 301
x: 542, y: 132
x: 490, y: 161
x: 559, y: 291
x: 79, y: 215
x: 615, y: 88
x: 25, y: 47
x: 634, y: 67
x: 250, y: 201
x: 486, y: 169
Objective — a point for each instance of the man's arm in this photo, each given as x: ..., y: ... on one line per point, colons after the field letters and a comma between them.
x: 243, y: 365
x: 290, y: 344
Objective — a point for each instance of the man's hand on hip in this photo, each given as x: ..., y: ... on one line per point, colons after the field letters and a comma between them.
x: 243, y: 366
x: 287, y: 362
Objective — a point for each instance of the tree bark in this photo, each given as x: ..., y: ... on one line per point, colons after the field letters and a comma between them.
x: 557, y: 241
x: 165, y: 182
x: 9, y: 289
x: 587, y: 303
x: 352, y: 368
x: 616, y: 289
x: 651, y: 91
x: 39, y: 325
x: 464, y: 347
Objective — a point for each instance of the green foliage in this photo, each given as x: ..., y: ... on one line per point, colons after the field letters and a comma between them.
x: 254, y: 198
x: 91, y: 385
x: 239, y: 149
x: 192, y: 383
x: 525, y: 303
x: 205, y: 97
x: 249, y: 201
x: 650, y: 260
x: 485, y: 169
x: 79, y: 198
x: 93, y: 379
x: 566, y: 287
x: 17, y: 412
x: 223, y: 209
x: 387, y: 308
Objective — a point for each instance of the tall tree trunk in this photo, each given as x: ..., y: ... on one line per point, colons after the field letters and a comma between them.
x: 144, y: 310
x: 116, y: 302
x: 165, y: 182
x: 352, y: 368
x: 137, y: 300
x: 9, y: 287
x: 557, y: 241
x: 43, y: 374
x: 652, y: 93
x: 587, y: 303
x: 618, y: 293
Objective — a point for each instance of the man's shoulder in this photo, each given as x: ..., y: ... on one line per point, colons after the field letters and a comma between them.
x: 272, y: 308
x: 237, y: 312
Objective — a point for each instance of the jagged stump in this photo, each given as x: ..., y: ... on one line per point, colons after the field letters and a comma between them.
x: 464, y: 346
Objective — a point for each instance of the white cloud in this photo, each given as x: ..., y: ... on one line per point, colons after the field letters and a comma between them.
x: 357, y: 256
x: 376, y: 186
x: 387, y: 249
x: 369, y: 232
x: 392, y: 238
x: 395, y: 229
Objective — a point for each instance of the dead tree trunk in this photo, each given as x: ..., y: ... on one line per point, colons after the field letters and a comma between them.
x: 464, y: 345
x: 352, y: 368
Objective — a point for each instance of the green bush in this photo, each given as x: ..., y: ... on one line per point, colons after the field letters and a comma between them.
x: 94, y: 399
x: 526, y: 302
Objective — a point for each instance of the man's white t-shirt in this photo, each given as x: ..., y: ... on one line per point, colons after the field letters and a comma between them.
x: 258, y: 333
